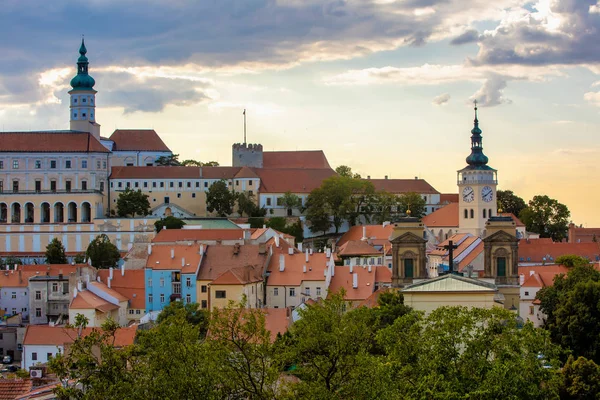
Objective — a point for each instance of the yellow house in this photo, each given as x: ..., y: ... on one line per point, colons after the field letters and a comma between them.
x: 451, y: 290
x: 236, y: 284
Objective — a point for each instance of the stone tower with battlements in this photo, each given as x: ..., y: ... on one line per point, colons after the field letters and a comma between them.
x: 247, y: 155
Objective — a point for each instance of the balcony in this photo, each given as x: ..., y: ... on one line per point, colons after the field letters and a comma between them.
x: 176, y: 286
x: 72, y: 191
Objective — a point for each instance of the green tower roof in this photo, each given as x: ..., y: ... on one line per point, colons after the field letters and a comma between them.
x: 82, y: 81
x: 477, y: 160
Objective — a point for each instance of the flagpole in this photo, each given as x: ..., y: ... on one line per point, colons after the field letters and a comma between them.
x: 244, y: 126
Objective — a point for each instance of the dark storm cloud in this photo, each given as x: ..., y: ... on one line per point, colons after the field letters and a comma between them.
x: 469, y: 36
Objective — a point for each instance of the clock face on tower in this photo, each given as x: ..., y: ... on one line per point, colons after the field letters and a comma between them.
x: 468, y: 194
x: 487, y: 194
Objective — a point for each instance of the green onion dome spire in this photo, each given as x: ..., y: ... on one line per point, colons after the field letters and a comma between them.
x: 477, y: 159
x: 82, y: 81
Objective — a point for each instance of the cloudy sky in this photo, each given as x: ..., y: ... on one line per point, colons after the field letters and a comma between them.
x: 385, y: 86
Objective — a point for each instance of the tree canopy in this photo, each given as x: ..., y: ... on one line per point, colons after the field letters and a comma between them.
x: 220, y: 198
x: 346, y: 171
x: 509, y: 202
x: 132, y: 202
x: 169, y: 222
x: 55, y: 252
x: 547, y: 217
x: 102, y: 252
x: 168, y: 161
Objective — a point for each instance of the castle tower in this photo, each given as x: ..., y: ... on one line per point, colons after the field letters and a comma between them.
x: 476, y: 188
x: 83, y: 98
x: 247, y: 155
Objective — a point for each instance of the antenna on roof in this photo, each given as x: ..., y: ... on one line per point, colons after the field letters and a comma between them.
x: 244, y: 125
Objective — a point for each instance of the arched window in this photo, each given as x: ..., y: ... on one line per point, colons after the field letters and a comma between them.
x: 472, y: 214
x: 484, y: 213
x: 490, y: 213
x: 466, y: 213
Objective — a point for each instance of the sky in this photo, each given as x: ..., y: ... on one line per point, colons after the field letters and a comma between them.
x: 384, y: 86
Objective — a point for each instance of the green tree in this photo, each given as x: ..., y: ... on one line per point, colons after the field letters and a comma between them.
x: 547, y: 217
x: 390, y: 307
x: 11, y: 261
x: 580, y: 380
x: 220, y: 199
x: 191, y: 163
x: 168, y: 161
x: 79, y: 258
x: 383, y: 206
x: 169, y: 222
x: 571, y: 260
x: 247, y: 205
x: 346, y: 171
x: 467, y: 353
x: 411, y: 201
x: 290, y: 201
x: 211, y: 164
x: 317, y: 214
x: 102, y: 253
x: 55, y: 252
x: 194, y: 315
x: 509, y: 202
x: 132, y: 202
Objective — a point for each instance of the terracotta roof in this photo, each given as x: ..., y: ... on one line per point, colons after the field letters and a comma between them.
x: 52, y: 269
x: 378, y: 234
x: 542, y: 275
x: 130, y: 285
x: 295, y: 159
x: 446, y: 216
x: 293, y: 180
x: 536, y: 250
x: 108, y: 290
x: 277, y: 320
x: 246, y: 172
x: 50, y: 142
x: 581, y: 234
x: 155, y: 173
x: 403, y: 185
x: 160, y: 259
x: 533, y: 281
x: 449, y: 198
x: 293, y: 273
x: 366, y: 281
x: 357, y: 248
x: 137, y: 140
x: 518, y: 222
x: 59, y: 336
x: 10, y: 279
x: 88, y: 300
x: 471, y: 256
x: 373, y: 300
x: 12, y: 388
x: 258, y: 232
x: 191, y: 235
x: 221, y: 258
x: 240, y: 276
x: 219, y: 172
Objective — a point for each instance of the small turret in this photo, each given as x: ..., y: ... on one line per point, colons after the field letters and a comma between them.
x: 83, y: 97
x: 247, y: 155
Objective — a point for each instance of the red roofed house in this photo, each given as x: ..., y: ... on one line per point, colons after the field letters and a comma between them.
x: 135, y: 147
x: 532, y: 279
x: 131, y: 284
x: 98, y: 302
x: 359, y: 283
x: 579, y: 234
x: 42, y: 342
x: 545, y: 251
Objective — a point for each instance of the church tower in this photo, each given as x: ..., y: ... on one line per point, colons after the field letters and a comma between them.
x: 83, y: 98
x: 476, y: 188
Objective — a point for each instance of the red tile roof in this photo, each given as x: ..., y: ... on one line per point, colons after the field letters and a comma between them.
x: 130, y: 285
x: 277, y: 320
x: 52, y: 269
x: 541, y: 276
x: 50, y: 142
x: 583, y: 235
x: 12, y: 388
x: 446, y: 216
x: 12, y: 279
x: 246, y: 172
x: 160, y: 259
x: 295, y: 159
x: 378, y: 234
x: 88, y: 300
x: 191, y: 235
x: 294, y: 180
x: 449, y: 198
x: 108, y: 290
x: 403, y: 185
x: 137, y: 140
x: 221, y: 258
x: 155, y: 173
x: 373, y: 300
x: 293, y: 273
x: 240, y: 276
x: 357, y: 248
x: 535, y: 250
x: 219, y: 172
x: 58, y: 336
x: 366, y: 281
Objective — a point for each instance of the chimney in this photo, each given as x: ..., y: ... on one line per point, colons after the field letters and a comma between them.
x: 247, y: 234
x: 364, y: 236
x: 304, y: 268
x: 201, y: 251
x: 355, y: 280
x: 369, y: 268
x: 351, y: 268
x: 521, y: 279
x: 79, y: 286
x: 276, y: 240
x: 416, y: 177
x: 386, y: 223
x: 385, y: 177
x: 183, y: 261
x: 20, y: 276
x: 123, y: 269
x: 311, y: 251
x: 74, y: 293
x: 110, y: 273
x: 165, y: 227
x: 172, y: 253
x: 108, y: 282
x: 7, y: 267
x: 281, y: 263
x: 368, y: 176
x: 291, y: 251
x: 332, y: 266
x: 149, y: 249
x: 531, y: 272
x: 328, y: 253
x: 262, y: 248
x: 306, y: 256
x: 300, y: 246
x: 264, y: 226
x: 325, y: 271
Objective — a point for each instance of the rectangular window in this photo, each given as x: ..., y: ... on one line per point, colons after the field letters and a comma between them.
x: 137, y: 312
x: 68, y: 186
x: 97, y: 164
x: 153, y: 184
x: 48, y: 355
x: 526, y: 293
x: 38, y: 186
x: 531, y: 310
x: 162, y: 282
x: 83, y: 185
x: 103, y: 164
x: 162, y: 184
x: 53, y: 164
x: 145, y: 184
x: 84, y: 164
x: 128, y: 184
x: 150, y: 298
x: 38, y: 164
x: 130, y: 311
x: 65, y: 287
x: 38, y: 312
x: 268, y: 201
x: 38, y: 294
x: 1, y: 164
x: 68, y: 164
x: 15, y: 186
x: 34, y: 356
x: 180, y: 184
x: 171, y: 184
x: 13, y: 295
x: 119, y: 184
x: 136, y: 184
x: 408, y: 267
x: 188, y: 282
x: 54, y: 287
x: 279, y: 201
x: 220, y: 294
x: 162, y: 297
x: 189, y: 184
x: 204, y: 304
x: 197, y: 184
x: 307, y: 291
x: 205, y: 184
x: 203, y: 288
x: 193, y: 195
x: 53, y: 186
x: 15, y: 164
x: 276, y: 292
x: 501, y: 263
x: 292, y: 292
x: 178, y: 195
x: 1, y: 186
x: 188, y: 298
x: 250, y: 182
x: 84, y: 100
x: 318, y: 291
x: 237, y: 183
x: 150, y: 282
x: 102, y: 186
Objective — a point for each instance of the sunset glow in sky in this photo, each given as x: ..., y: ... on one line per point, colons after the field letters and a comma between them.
x: 383, y: 86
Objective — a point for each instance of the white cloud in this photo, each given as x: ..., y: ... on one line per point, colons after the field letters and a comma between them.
x: 592, y: 98
x: 492, y: 92
x: 441, y: 100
